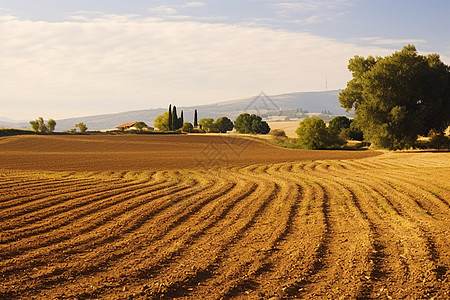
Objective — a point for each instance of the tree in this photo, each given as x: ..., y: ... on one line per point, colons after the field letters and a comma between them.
x: 170, y: 120
x: 39, y: 125
x: 337, y: 124
x: 398, y: 97
x: 140, y: 126
x: 195, y: 119
x: 174, y: 118
x: 224, y: 124
x: 253, y: 124
x: 313, y: 134
x: 187, y: 127
x: 51, y: 124
x: 162, y: 121
x: 208, y: 124
x: 82, y: 127
x: 182, y: 118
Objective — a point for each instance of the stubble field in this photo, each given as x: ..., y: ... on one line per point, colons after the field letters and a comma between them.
x: 150, y: 217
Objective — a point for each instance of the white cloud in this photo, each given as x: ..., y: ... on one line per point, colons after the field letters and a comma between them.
x: 194, y: 4
x: 118, y: 63
x: 163, y: 10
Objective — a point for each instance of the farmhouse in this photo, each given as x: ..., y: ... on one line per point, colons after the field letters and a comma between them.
x: 126, y: 126
x: 131, y: 126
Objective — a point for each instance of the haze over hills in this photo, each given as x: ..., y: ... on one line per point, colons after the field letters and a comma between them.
x: 313, y: 102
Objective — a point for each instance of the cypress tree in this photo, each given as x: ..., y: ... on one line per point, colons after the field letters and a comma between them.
x: 170, y: 117
x: 195, y: 119
x: 182, y: 118
x: 174, y: 118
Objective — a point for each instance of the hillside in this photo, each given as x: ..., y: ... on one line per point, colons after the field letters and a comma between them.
x: 313, y: 102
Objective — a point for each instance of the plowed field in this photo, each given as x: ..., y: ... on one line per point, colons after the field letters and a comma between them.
x: 338, y: 225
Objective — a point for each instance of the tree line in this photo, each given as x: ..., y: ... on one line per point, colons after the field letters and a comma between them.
x: 244, y: 123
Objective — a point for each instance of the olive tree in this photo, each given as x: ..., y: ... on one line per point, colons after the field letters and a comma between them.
x: 39, y: 125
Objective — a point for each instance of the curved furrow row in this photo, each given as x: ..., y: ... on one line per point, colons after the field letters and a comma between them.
x: 311, y: 219
x: 56, y: 205
x: 276, y: 223
x: 58, y: 221
x: 14, y: 185
x: 28, y: 197
x: 42, y: 202
x: 410, y: 238
x: 389, y: 205
x: 136, y: 219
x: 187, y: 273
x: 55, y: 252
x: 160, y: 249
x: 279, y: 270
x: 433, y: 196
x: 421, y: 251
x: 342, y: 250
x: 77, y: 234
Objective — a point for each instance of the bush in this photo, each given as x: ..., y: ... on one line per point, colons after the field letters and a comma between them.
x: 198, y: 130
x: 187, y: 127
x: 313, y: 134
x: 440, y: 142
x: 278, y: 133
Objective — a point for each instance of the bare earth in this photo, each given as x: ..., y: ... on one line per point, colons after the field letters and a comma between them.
x: 162, y: 217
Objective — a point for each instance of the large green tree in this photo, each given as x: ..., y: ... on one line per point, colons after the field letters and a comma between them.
x: 246, y: 123
x: 398, y: 97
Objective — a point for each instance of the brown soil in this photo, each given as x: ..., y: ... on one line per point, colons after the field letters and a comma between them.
x: 316, y: 228
x: 148, y: 152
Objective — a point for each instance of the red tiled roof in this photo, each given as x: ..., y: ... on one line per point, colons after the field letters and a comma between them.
x: 129, y: 124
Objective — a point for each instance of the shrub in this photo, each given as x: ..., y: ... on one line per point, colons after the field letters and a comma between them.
x: 278, y: 133
x: 313, y: 134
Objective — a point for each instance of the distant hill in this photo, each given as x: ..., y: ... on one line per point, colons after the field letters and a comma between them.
x: 313, y: 102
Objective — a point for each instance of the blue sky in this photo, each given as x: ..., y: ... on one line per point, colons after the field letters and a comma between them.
x: 65, y: 58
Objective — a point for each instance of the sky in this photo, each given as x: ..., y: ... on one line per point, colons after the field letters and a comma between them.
x: 71, y: 58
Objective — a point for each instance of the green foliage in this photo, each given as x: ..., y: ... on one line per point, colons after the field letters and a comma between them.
x: 187, y: 127
x: 169, y: 120
x: 51, y: 124
x: 39, y: 125
x: 208, y: 125
x: 177, y: 123
x: 195, y: 119
x: 140, y: 126
x: 82, y: 127
x: 162, y: 121
x: 251, y: 124
x: 223, y: 124
x: 398, y: 97
x: 337, y: 124
x: 313, y: 134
